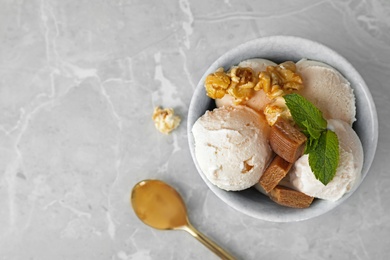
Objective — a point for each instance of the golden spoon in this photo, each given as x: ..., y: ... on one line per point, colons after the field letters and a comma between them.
x: 160, y: 206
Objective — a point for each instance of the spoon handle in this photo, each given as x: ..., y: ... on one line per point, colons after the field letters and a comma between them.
x: 216, y: 249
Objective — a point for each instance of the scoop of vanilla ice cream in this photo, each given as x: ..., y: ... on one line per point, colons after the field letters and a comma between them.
x: 259, y: 99
x: 231, y: 146
x: 347, y: 174
x: 328, y: 90
x: 258, y: 65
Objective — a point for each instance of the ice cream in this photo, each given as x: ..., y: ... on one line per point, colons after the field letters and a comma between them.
x: 257, y: 65
x: 324, y: 86
x: 348, y: 172
x: 259, y: 99
x: 231, y: 146
x: 328, y: 90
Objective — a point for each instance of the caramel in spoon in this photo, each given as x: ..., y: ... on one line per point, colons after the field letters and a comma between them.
x: 160, y: 206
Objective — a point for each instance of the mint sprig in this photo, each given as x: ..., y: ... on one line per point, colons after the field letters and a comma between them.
x: 306, y: 115
x: 324, y: 159
x: 322, y: 144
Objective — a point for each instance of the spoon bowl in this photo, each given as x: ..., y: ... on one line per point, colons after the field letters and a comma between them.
x: 160, y: 206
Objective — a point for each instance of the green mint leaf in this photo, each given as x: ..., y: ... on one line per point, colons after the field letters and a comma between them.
x: 314, y: 133
x: 306, y: 115
x: 324, y: 158
x: 322, y: 145
x: 311, y: 145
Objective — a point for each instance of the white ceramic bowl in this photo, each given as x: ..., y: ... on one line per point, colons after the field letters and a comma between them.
x: 279, y: 49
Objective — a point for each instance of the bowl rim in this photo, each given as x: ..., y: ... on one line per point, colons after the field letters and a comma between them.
x: 237, y: 54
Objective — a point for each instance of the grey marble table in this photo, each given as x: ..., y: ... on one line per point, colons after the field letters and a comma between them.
x: 78, y: 84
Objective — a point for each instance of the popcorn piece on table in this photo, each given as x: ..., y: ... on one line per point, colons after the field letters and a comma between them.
x: 165, y: 119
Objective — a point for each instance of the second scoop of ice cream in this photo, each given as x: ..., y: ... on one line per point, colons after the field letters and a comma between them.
x: 259, y: 99
x: 347, y: 174
x: 328, y: 90
x: 231, y: 146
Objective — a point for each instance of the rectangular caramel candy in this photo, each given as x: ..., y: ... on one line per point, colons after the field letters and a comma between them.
x: 275, y: 172
x: 290, y: 198
x: 286, y: 140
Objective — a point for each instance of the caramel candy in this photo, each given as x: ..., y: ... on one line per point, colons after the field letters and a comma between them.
x: 290, y: 198
x: 286, y: 140
x: 275, y: 172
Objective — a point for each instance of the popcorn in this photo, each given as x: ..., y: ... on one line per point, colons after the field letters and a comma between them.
x: 165, y: 120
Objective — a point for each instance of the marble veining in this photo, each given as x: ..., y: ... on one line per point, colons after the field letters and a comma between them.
x: 78, y: 84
